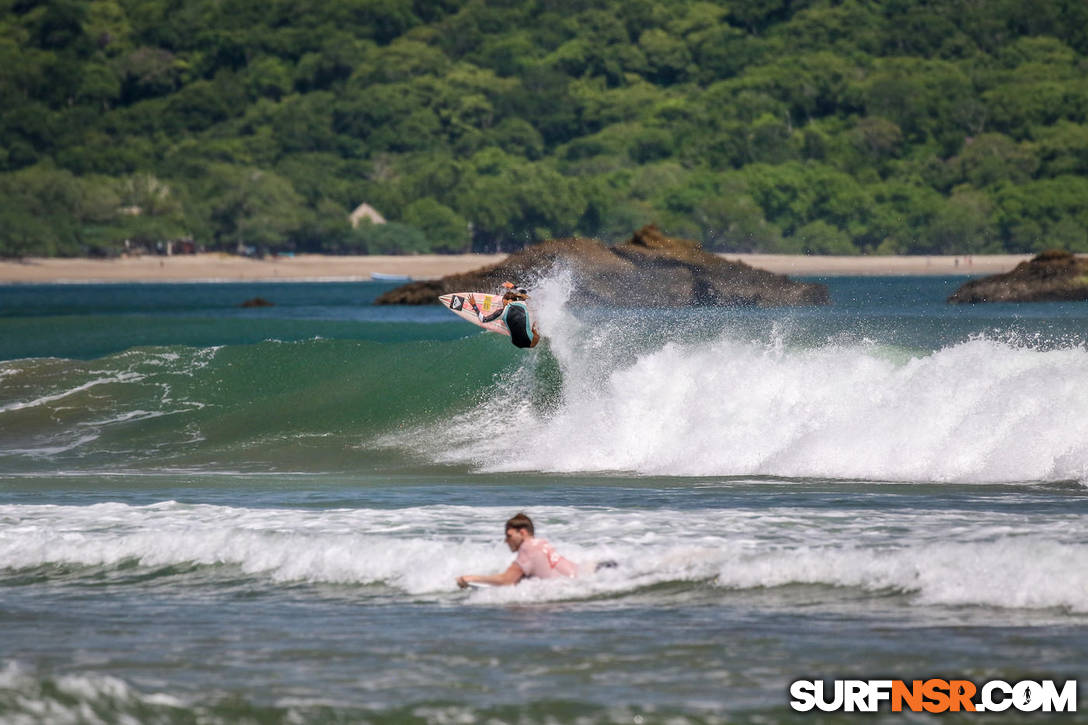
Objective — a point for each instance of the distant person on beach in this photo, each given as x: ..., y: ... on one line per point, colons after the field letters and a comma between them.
x: 515, y: 314
x: 536, y: 558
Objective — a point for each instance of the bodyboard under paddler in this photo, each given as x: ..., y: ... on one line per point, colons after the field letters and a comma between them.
x: 458, y: 304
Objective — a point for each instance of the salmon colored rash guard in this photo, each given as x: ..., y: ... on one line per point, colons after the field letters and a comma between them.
x: 537, y: 558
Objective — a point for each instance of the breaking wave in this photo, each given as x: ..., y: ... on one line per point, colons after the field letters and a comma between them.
x: 712, y: 399
x: 421, y: 550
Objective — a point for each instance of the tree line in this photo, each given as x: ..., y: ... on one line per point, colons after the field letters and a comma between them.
x: 794, y: 126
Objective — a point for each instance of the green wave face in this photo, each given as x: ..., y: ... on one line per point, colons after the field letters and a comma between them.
x: 306, y: 405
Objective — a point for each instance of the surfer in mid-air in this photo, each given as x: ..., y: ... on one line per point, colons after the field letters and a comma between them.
x: 515, y: 314
x: 536, y: 558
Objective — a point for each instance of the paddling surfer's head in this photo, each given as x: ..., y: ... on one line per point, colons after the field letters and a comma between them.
x: 518, y: 529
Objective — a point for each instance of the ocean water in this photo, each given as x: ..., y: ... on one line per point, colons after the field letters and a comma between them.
x: 213, y: 514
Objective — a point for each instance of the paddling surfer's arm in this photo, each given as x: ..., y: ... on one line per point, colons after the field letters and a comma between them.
x: 509, y: 577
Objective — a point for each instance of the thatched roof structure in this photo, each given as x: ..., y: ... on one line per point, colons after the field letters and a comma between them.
x: 365, y: 211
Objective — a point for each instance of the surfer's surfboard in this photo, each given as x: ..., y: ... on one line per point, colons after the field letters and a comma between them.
x: 479, y: 585
x: 458, y: 304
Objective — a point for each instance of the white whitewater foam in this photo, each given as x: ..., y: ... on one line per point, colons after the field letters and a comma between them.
x: 73, y: 698
x: 66, y: 405
x: 937, y: 558
x: 54, y: 397
x: 979, y: 411
x: 44, y: 451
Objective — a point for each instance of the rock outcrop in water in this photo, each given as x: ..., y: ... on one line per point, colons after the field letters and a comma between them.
x: 1053, y: 276
x: 648, y: 270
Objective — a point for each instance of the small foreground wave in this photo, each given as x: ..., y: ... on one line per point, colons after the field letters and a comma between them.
x: 997, y: 560
x: 30, y: 698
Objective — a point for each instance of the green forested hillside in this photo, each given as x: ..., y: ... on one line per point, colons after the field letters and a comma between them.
x: 921, y: 126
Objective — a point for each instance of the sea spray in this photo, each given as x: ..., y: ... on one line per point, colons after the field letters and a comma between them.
x: 656, y: 396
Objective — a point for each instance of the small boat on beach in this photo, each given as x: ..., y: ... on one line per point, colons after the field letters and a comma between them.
x: 382, y: 277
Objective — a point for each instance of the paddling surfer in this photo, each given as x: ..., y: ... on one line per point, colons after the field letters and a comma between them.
x: 536, y: 558
x: 515, y: 314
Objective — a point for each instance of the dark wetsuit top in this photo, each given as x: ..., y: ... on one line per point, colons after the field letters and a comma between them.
x: 516, y: 317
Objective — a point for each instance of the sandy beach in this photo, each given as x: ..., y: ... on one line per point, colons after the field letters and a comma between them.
x: 229, y: 268
x: 308, y: 267
x: 858, y: 266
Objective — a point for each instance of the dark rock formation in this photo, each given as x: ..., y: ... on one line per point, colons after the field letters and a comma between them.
x: 257, y: 302
x: 1053, y: 276
x: 648, y: 270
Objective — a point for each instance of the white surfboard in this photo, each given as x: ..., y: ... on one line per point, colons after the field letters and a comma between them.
x: 458, y: 304
x: 479, y: 585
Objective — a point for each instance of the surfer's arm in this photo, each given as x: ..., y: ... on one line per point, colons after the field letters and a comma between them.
x: 511, y: 576
x: 479, y: 314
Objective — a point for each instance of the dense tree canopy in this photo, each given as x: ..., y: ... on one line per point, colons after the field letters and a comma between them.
x: 818, y: 126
